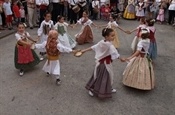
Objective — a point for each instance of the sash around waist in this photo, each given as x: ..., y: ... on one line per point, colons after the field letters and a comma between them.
x: 52, y: 57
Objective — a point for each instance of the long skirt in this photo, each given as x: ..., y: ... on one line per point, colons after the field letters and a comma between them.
x: 26, y: 65
x: 85, y: 35
x: 139, y: 74
x: 153, y: 50
x: 115, y: 42
x: 67, y: 40
x: 101, y: 81
x: 129, y: 12
x: 52, y: 67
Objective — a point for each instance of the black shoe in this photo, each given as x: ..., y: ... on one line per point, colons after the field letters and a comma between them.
x: 58, y: 81
x: 31, y: 27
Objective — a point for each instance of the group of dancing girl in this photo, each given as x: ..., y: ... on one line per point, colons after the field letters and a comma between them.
x: 54, y: 39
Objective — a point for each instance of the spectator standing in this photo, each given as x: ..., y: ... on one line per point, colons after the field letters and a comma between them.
x: 31, y: 7
x: 43, y: 6
x: 22, y: 14
x: 171, y: 10
x: 8, y: 13
x: 16, y: 11
x: 95, y: 6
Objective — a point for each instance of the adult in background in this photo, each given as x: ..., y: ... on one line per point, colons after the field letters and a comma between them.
x: 2, y: 15
x: 82, y: 4
x: 130, y: 10
x: 72, y: 13
x: 96, y: 7
x: 171, y: 10
x: 55, y: 11
x: 31, y: 7
x: 43, y: 6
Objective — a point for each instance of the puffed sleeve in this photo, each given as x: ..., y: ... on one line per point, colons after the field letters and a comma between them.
x: 115, y: 24
x: 114, y: 53
x: 27, y: 33
x: 18, y: 37
x: 66, y: 24
x: 94, y: 47
x: 79, y: 21
x: 62, y: 48
x: 40, y: 46
x: 139, y: 46
x: 40, y: 30
x: 56, y: 26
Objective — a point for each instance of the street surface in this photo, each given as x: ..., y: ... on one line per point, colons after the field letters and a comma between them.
x: 37, y: 94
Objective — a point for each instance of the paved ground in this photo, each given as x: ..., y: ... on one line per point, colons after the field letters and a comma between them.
x: 36, y: 94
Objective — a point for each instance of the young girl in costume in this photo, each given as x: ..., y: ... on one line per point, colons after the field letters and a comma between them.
x: 25, y: 57
x: 64, y: 38
x: 112, y: 24
x: 45, y: 27
x: 139, y: 72
x: 140, y: 13
x: 101, y: 81
x: 53, y: 49
x: 85, y: 35
x: 153, y: 45
x: 137, y: 37
x: 161, y: 14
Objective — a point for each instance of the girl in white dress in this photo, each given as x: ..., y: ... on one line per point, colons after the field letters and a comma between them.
x: 53, y: 49
x: 63, y: 37
x: 140, y: 13
x: 43, y: 31
x: 85, y: 35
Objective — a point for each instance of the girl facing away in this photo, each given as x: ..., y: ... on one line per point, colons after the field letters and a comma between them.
x: 63, y: 37
x: 25, y: 57
x: 53, y: 50
x: 45, y: 27
x: 139, y: 71
x: 85, y: 35
x: 100, y: 84
x: 153, y: 45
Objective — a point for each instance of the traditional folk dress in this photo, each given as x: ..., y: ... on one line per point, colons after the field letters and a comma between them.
x: 43, y: 32
x: 153, y: 45
x: 102, y: 79
x: 140, y: 10
x: 137, y: 37
x: 114, y: 25
x: 130, y: 10
x: 64, y: 38
x: 139, y: 72
x: 25, y: 57
x: 53, y: 49
x: 85, y: 35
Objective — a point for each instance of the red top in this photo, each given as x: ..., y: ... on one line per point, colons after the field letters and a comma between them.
x: 16, y: 11
x: 106, y: 59
x: 151, y: 37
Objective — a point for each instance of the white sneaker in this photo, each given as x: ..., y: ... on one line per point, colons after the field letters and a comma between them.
x: 90, y: 93
x: 41, y: 58
x: 21, y: 73
x: 114, y: 90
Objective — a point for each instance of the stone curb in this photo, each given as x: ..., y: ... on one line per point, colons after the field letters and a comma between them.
x: 6, y: 33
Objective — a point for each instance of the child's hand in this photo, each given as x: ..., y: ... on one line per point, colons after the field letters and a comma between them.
x: 128, y: 32
x: 122, y: 59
